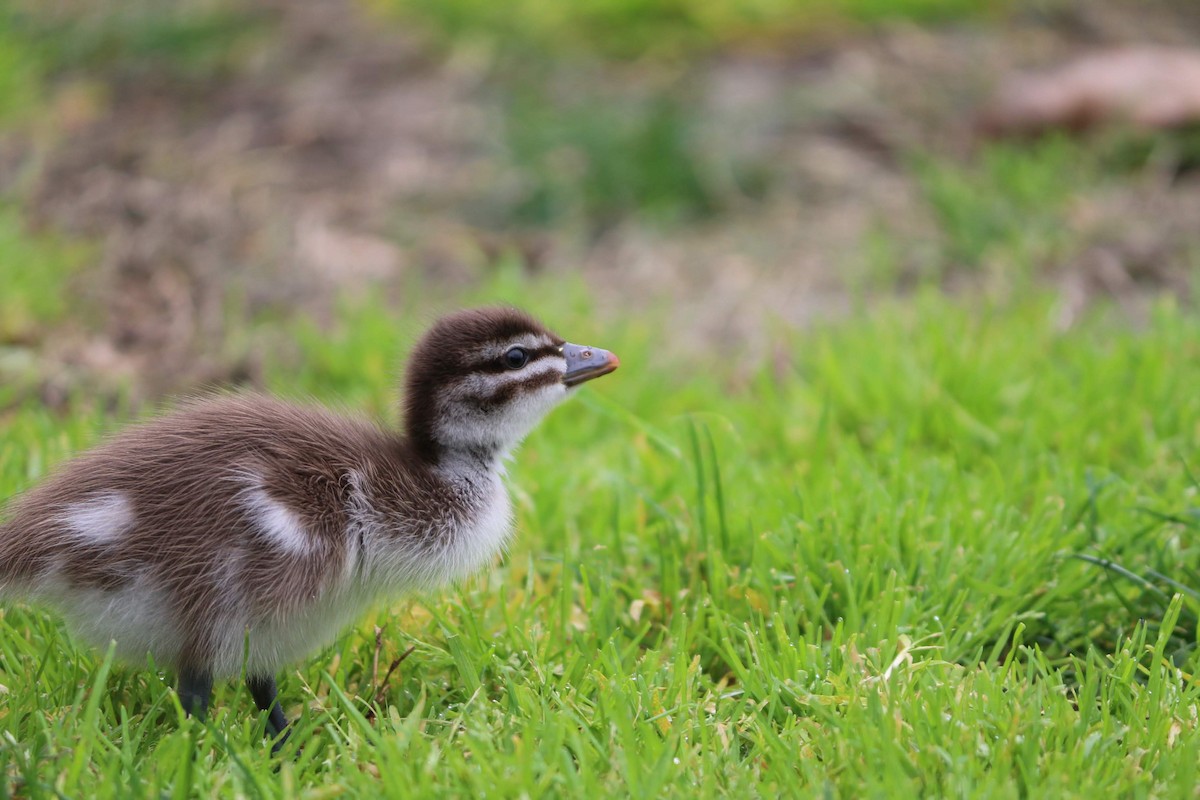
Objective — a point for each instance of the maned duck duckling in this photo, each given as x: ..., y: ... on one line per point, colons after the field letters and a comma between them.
x: 246, y: 519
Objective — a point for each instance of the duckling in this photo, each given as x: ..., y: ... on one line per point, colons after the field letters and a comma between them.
x: 241, y: 530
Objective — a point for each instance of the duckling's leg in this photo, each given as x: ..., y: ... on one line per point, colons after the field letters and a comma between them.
x: 266, y: 697
x: 195, y: 690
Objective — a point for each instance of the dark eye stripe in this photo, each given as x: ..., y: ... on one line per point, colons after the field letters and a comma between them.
x: 497, y: 364
x: 509, y: 391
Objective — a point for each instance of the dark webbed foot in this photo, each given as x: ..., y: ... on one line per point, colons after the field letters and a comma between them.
x: 195, y: 690
x: 266, y: 697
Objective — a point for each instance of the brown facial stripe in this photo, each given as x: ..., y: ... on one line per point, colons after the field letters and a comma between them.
x: 508, y: 391
x: 497, y: 365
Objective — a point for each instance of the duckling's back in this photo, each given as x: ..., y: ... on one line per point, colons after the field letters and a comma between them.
x: 180, y: 533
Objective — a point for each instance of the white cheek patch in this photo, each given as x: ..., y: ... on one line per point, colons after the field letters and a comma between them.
x: 485, y: 385
x: 543, y: 366
x: 102, y: 519
x: 276, y: 522
x: 505, y: 426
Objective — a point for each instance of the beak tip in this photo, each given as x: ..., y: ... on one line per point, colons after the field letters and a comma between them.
x: 586, y: 363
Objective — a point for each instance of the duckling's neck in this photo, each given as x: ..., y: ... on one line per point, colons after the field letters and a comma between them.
x: 476, y: 466
x: 444, y: 519
x: 459, y: 460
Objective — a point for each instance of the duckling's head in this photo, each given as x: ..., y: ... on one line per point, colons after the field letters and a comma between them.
x: 479, y: 380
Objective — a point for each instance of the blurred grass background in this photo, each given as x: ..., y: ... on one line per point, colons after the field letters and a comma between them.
x: 657, y: 29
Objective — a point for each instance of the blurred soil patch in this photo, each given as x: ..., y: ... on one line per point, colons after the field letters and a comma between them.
x: 338, y: 155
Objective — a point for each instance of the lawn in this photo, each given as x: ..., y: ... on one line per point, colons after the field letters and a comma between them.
x: 931, y: 549
x: 942, y: 541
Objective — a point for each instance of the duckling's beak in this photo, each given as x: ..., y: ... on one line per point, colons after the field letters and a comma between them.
x: 585, y: 363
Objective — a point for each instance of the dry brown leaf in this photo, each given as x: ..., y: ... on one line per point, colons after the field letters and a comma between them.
x: 1149, y: 87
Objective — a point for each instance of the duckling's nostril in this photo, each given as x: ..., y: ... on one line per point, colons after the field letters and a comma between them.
x: 586, y: 354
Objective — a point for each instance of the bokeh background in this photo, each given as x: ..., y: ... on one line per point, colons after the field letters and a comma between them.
x: 176, y: 179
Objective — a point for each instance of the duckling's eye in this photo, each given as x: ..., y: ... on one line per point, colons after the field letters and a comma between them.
x: 516, y: 357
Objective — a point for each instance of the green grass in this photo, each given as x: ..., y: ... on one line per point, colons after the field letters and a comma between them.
x: 21, y: 76
x: 1008, y: 202
x: 591, y: 159
x: 657, y: 29
x: 856, y: 575
x: 35, y: 269
x: 188, y: 39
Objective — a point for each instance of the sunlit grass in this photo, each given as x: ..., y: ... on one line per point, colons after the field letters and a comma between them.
x: 34, y: 269
x: 855, y: 575
x: 188, y: 38
x: 658, y: 29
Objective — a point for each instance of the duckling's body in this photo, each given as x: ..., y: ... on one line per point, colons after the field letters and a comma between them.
x: 245, y: 514
x: 245, y: 530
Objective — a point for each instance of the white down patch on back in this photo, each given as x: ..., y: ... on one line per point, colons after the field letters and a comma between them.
x: 275, y: 521
x: 100, y: 520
